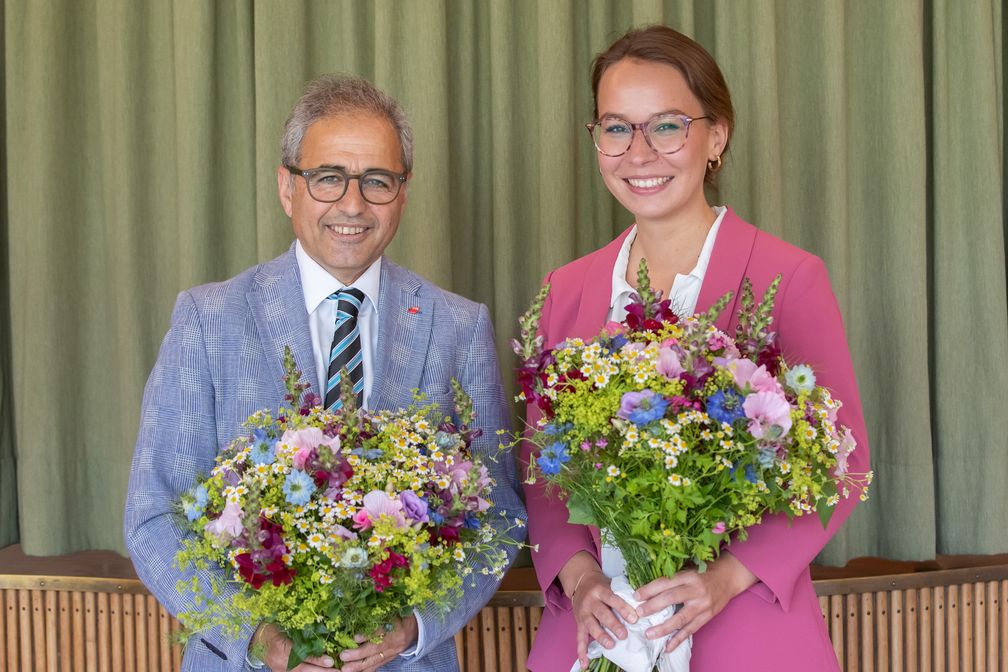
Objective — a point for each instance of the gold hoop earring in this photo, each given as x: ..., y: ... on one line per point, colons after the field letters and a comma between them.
x: 715, y: 165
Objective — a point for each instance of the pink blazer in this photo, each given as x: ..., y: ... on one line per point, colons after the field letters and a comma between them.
x: 776, y: 624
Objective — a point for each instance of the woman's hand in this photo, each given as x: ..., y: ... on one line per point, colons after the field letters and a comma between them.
x: 594, y: 604
x: 703, y: 596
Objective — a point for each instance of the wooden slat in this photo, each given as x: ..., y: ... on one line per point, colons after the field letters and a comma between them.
x: 993, y: 637
x: 77, y: 616
x: 460, y: 645
x: 966, y: 627
x: 939, y: 636
x: 51, y: 615
x: 488, y: 634
x: 521, y: 638
x: 952, y: 629
x: 3, y: 632
x: 978, y: 616
x: 176, y: 648
x: 472, y: 644
x: 867, y: 632
x: 140, y: 626
x: 896, y: 629
x: 129, y: 633
x: 115, y: 608
x: 164, y: 631
x: 882, y: 630
x: 38, y: 635
x: 911, y: 624
x: 66, y: 639
x: 836, y: 621
x: 925, y: 607
x: 104, y: 636
x: 852, y: 628
x: 505, y: 639
x: 90, y: 631
x: 1003, y: 628
x: 24, y: 629
x: 152, y: 633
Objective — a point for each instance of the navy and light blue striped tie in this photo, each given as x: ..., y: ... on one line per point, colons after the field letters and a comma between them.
x: 345, y: 352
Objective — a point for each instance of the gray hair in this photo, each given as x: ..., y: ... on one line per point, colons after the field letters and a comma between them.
x: 331, y: 95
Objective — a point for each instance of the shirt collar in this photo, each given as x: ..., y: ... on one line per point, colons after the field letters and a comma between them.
x: 317, y: 284
x: 619, y: 284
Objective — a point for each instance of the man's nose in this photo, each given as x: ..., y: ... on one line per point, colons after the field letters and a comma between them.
x: 353, y: 202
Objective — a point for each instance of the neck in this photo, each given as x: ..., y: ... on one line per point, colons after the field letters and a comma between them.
x: 671, y: 246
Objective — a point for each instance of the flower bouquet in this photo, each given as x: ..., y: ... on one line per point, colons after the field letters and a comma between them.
x: 332, y: 524
x: 673, y: 438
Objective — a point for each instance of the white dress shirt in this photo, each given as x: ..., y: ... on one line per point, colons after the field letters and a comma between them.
x: 317, y: 285
x: 684, y: 295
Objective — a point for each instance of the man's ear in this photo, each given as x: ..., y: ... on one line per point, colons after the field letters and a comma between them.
x: 285, y: 189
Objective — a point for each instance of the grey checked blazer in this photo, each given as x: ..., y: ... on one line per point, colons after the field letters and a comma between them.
x: 222, y: 359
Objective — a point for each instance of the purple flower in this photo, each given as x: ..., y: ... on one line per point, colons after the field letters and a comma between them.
x: 643, y: 407
x: 414, y: 507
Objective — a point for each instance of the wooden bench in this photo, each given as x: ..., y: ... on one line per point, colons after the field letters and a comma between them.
x: 946, y: 620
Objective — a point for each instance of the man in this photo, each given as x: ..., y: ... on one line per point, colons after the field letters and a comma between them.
x: 346, y: 163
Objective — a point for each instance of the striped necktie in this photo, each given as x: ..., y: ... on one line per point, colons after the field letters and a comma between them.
x: 345, y: 352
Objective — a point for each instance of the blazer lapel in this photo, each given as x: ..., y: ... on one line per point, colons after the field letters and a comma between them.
x: 405, y: 320
x: 277, y: 306
x: 727, y: 268
x: 597, y: 290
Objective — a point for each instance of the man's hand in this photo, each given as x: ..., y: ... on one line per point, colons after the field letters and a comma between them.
x: 278, y: 650
x: 372, y: 656
x: 703, y: 596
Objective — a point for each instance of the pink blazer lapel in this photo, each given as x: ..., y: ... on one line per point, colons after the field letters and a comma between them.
x: 597, y: 290
x: 727, y: 268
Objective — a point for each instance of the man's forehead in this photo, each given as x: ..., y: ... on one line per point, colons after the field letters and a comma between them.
x: 356, y: 141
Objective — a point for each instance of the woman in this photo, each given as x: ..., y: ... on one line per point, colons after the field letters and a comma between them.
x: 663, y: 121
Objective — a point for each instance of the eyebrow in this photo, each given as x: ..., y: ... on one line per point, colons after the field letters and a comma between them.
x: 656, y: 114
x: 346, y: 170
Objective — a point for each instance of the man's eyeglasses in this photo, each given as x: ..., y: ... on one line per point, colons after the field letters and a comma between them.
x: 664, y: 133
x: 329, y: 185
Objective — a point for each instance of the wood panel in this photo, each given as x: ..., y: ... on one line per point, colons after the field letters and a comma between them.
x: 884, y: 624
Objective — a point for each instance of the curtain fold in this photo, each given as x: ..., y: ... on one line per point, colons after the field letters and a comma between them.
x: 141, y: 147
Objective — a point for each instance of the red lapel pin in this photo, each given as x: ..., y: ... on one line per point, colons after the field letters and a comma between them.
x: 413, y: 310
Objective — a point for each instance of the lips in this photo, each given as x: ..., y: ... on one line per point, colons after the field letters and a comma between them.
x: 345, y: 230
x: 647, y: 182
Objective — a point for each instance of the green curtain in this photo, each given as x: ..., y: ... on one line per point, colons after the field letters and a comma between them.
x: 141, y: 141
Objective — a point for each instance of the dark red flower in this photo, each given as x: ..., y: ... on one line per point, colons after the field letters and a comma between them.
x: 445, y: 535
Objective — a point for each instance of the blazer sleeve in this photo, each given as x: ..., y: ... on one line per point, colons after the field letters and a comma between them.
x: 554, y: 540
x: 478, y: 372
x: 176, y: 443
x: 810, y: 330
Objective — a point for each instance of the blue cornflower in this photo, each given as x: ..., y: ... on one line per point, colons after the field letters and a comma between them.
x: 298, y: 487
x: 557, y: 430
x: 800, y: 379
x: 750, y: 473
x: 435, y: 517
x: 263, y: 451
x: 552, y: 458
x: 642, y: 407
x: 725, y: 406
x: 194, y: 503
x: 471, y: 522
